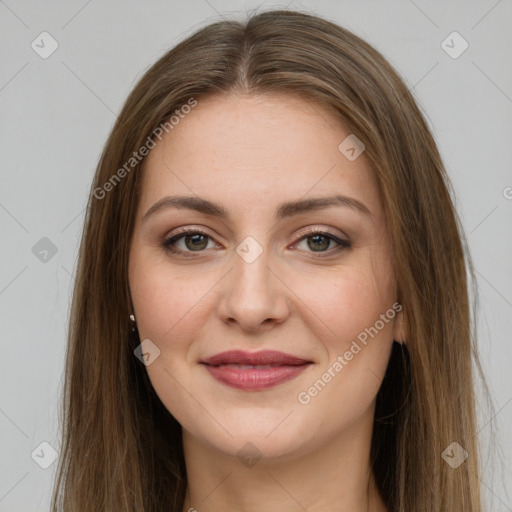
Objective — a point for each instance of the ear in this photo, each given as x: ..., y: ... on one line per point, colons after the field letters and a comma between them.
x: 400, y: 329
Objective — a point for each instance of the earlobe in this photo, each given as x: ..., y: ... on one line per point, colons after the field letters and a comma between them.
x: 133, y: 322
x: 400, y: 333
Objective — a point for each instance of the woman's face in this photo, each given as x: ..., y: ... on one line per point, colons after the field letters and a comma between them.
x: 257, y: 279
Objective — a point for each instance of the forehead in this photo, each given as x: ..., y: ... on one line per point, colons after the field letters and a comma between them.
x: 251, y: 147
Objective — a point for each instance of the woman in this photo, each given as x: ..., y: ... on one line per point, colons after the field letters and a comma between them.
x: 271, y: 308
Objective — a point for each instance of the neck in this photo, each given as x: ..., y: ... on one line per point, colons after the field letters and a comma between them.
x: 333, y: 475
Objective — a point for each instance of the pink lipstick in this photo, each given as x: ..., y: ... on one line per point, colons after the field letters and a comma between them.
x: 253, y: 371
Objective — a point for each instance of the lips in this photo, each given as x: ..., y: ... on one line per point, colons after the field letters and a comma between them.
x: 264, y: 357
x: 254, y: 370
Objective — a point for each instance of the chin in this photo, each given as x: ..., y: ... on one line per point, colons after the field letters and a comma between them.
x: 256, y: 433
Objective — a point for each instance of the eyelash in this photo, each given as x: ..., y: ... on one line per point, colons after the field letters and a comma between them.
x: 342, y: 244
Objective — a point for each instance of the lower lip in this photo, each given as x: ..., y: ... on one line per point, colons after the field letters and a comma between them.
x: 254, y: 378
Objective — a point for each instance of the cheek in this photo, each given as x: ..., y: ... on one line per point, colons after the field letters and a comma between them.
x: 166, y: 300
x: 356, y: 355
x: 348, y: 300
x: 354, y: 306
x: 167, y: 304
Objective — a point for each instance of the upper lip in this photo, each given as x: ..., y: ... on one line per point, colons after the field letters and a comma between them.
x: 262, y: 357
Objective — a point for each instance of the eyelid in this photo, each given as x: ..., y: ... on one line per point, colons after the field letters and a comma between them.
x: 322, y: 231
x: 188, y: 229
x: 306, y: 231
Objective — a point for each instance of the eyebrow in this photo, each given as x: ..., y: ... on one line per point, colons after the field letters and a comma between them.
x: 286, y: 209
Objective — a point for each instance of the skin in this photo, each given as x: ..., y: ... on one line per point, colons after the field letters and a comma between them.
x: 250, y: 153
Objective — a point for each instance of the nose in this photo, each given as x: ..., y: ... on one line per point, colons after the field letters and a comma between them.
x: 253, y: 295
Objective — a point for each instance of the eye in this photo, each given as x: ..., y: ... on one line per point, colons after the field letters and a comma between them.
x: 194, y: 240
x: 319, y: 241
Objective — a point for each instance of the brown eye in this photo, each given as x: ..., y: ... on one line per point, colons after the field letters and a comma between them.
x: 192, y: 241
x: 320, y: 242
x: 323, y: 242
x: 196, y: 242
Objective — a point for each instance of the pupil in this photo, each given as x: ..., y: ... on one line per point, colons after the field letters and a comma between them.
x: 196, y: 241
x: 323, y: 246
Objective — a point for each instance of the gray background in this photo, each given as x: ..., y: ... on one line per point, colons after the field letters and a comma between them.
x: 56, y: 114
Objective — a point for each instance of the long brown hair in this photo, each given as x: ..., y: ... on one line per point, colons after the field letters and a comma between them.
x: 121, y: 448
